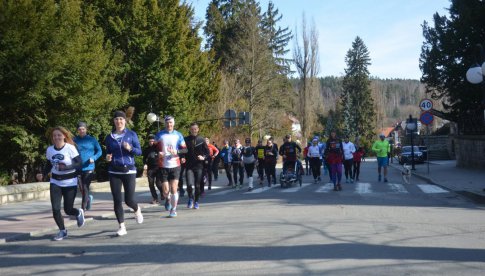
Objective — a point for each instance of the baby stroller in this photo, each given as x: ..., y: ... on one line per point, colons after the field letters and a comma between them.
x: 293, y: 174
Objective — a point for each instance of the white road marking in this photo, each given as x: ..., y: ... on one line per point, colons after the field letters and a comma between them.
x: 397, y: 188
x: 431, y: 189
x: 260, y: 189
x: 363, y: 188
x: 325, y: 188
x: 295, y: 189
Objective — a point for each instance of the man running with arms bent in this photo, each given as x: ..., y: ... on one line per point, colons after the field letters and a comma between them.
x: 170, y: 144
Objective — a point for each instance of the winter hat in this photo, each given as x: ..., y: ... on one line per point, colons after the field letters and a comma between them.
x: 82, y: 124
x: 151, y: 136
x: 118, y: 114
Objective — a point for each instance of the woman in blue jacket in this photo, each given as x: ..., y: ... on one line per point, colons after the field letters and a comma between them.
x: 121, y: 147
x: 90, y: 151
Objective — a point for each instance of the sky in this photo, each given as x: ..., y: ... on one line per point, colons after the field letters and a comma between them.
x: 391, y: 30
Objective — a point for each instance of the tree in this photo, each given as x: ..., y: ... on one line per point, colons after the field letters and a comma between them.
x: 306, y: 61
x: 55, y: 69
x: 278, y: 38
x: 446, y: 54
x: 164, y: 68
x: 357, y: 104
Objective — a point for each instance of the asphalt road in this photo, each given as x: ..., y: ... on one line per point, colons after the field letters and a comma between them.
x: 369, y: 228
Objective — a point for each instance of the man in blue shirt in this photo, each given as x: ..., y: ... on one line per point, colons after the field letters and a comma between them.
x: 90, y: 151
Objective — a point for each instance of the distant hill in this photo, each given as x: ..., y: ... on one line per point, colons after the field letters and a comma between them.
x: 394, y: 99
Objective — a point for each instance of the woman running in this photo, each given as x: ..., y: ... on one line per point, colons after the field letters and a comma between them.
x: 121, y: 147
x: 63, y: 164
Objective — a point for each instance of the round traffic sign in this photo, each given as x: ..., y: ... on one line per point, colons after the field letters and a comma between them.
x: 426, y: 104
x: 426, y: 118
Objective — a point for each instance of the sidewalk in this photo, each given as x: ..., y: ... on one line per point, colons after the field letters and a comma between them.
x: 444, y: 173
x: 32, y: 218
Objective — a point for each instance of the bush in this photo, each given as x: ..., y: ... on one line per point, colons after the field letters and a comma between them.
x: 4, y: 178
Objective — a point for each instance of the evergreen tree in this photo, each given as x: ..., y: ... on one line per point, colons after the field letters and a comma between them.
x: 446, y: 55
x: 55, y: 69
x: 164, y: 68
x: 358, y: 113
x: 278, y: 37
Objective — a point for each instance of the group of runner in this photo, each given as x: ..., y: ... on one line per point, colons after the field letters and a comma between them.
x: 171, y: 158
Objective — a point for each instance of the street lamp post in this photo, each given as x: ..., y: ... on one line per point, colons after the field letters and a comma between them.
x: 152, y: 117
x: 475, y: 74
x: 411, y: 127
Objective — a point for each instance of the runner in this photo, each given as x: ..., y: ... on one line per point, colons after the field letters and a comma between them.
x: 307, y: 159
x: 63, y: 164
x: 90, y: 151
x: 334, y: 156
x: 260, y: 161
x: 270, y: 159
x: 226, y: 157
x: 121, y: 147
x: 315, y: 156
x: 197, y: 152
x: 381, y: 148
x: 289, y: 151
x: 357, y: 160
x: 170, y: 144
x: 237, y: 164
x: 150, y: 161
x: 249, y: 160
x: 349, y: 149
x: 213, y: 155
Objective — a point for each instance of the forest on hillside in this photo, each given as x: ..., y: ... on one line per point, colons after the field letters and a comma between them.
x: 394, y: 99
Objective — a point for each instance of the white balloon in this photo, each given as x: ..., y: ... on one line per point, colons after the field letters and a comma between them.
x: 474, y: 75
x: 152, y: 117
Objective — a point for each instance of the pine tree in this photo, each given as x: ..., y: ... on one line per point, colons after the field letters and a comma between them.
x: 55, y: 69
x: 446, y: 55
x: 356, y: 100
x: 278, y: 37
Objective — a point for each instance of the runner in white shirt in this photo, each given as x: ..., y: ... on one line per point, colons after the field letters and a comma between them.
x: 349, y: 150
x: 170, y: 144
x: 315, y: 156
x: 64, y: 164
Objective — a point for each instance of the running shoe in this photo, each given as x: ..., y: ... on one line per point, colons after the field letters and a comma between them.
x: 190, y: 204
x: 351, y: 180
x: 172, y: 214
x: 379, y: 179
x: 168, y: 206
x: 339, y: 187
x: 61, y: 235
x: 335, y: 188
x: 210, y: 188
x: 80, y: 218
x: 250, y: 189
x: 196, y: 205
x: 90, y: 201
x: 139, y: 215
x: 385, y: 179
x: 319, y: 179
x: 154, y: 201
x: 121, y: 231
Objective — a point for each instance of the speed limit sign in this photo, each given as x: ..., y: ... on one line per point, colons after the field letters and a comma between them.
x: 426, y: 105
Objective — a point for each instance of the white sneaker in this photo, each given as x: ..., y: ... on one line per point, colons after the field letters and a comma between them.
x: 138, y: 215
x: 121, y: 231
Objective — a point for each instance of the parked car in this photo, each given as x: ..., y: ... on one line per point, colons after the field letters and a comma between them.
x: 424, y: 150
x: 405, y: 155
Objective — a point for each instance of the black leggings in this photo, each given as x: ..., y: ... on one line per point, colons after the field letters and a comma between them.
x: 228, y: 169
x: 128, y: 181
x: 270, y: 171
x: 85, y: 178
x: 348, y: 168
x: 249, y: 169
x: 315, y: 165
x: 260, y: 168
x: 69, y: 194
x: 356, y: 166
x: 194, y: 176
x: 238, y: 168
x: 154, y: 180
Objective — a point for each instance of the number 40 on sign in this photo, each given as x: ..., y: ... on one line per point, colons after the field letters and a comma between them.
x: 426, y: 105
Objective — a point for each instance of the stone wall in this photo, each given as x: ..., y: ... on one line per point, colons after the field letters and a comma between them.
x: 469, y: 151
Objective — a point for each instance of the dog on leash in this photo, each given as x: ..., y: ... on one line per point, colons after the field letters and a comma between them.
x: 406, y: 174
